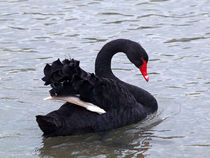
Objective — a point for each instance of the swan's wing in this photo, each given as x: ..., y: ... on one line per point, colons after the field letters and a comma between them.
x: 75, y: 100
x: 68, y: 79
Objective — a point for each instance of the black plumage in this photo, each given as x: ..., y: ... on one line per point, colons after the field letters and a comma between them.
x: 124, y: 104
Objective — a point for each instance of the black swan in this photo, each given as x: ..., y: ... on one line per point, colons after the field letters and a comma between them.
x: 115, y: 103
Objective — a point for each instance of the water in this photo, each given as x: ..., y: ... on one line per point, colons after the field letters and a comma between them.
x: 176, y: 36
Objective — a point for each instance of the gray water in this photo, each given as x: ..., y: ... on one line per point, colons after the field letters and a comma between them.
x: 176, y: 35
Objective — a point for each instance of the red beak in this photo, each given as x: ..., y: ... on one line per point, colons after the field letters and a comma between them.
x: 143, y: 70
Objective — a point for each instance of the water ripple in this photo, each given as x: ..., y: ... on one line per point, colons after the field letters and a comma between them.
x: 176, y: 37
x: 185, y: 39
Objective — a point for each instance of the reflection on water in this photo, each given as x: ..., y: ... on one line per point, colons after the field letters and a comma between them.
x: 132, y: 140
x: 177, y: 39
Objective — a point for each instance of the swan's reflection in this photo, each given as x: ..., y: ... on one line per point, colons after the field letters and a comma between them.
x: 133, y: 140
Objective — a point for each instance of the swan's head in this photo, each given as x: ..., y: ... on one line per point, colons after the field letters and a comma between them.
x: 138, y: 56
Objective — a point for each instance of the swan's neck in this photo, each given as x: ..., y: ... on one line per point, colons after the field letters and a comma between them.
x: 103, y: 60
x: 103, y: 69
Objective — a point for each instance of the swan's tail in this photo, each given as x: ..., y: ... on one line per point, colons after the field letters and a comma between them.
x: 49, y: 125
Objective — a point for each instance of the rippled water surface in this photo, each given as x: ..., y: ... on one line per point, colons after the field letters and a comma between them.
x: 176, y: 35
